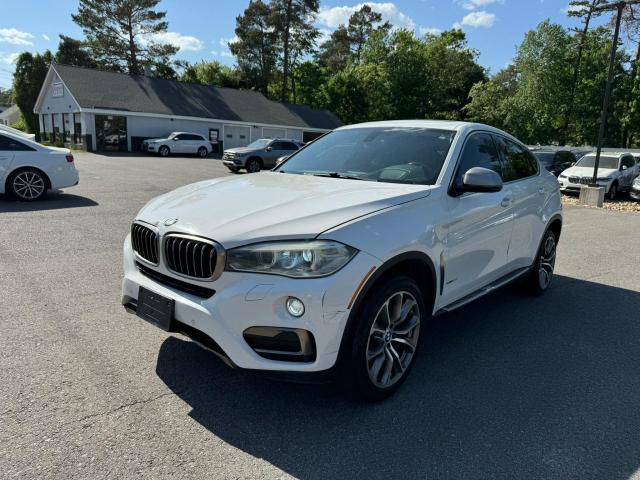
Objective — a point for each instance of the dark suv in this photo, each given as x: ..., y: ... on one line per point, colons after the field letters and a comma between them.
x: 259, y: 155
x: 556, y: 161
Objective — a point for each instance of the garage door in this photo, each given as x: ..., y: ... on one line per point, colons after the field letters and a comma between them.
x: 294, y: 135
x: 236, y: 136
x: 269, y: 132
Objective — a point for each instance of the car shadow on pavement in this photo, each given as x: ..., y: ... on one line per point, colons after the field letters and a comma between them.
x: 508, y: 387
x: 54, y: 200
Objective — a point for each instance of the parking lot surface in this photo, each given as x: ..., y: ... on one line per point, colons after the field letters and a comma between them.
x: 508, y: 387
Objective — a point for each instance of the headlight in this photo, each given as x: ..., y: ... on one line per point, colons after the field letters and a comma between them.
x: 605, y: 179
x: 298, y: 259
x: 562, y: 176
x: 636, y: 182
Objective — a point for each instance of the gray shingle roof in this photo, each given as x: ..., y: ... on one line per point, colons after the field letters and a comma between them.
x: 11, y: 114
x: 108, y: 90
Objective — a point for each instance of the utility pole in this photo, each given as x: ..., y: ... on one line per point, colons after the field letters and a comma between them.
x: 618, y: 7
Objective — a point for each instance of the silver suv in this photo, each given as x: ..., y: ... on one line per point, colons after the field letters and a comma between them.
x: 259, y: 155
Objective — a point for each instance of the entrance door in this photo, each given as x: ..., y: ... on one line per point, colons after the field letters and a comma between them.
x: 111, y: 133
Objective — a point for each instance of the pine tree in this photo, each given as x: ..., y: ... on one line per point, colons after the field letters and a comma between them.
x: 120, y: 33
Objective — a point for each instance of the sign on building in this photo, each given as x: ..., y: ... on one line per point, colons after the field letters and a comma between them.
x: 57, y: 89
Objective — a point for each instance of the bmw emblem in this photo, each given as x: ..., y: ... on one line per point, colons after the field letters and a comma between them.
x: 170, y: 221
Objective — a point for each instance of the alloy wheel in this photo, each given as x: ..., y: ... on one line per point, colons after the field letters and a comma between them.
x: 393, y: 339
x: 547, y: 261
x: 28, y: 185
x: 253, y: 166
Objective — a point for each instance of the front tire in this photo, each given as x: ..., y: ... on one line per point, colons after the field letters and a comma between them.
x: 253, y: 165
x: 539, y: 277
x: 385, y: 341
x: 233, y: 169
x: 164, y: 151
x: 613, y: 191
x: 28, y: 185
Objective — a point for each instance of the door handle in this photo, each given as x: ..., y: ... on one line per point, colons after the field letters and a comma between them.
x: 506, y: 201
x: 541, y: 191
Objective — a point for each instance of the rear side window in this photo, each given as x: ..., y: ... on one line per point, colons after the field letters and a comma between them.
x: 479, y: 151
x: 519, y: 162
x: 9, y: 144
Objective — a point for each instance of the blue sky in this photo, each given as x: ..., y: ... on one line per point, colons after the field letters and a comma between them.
x: 494, y: 27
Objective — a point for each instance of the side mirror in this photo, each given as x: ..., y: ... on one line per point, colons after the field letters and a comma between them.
x: 623, y: 167
x: 479, y: 179
x: 268, y: 149
x: 175, y: 139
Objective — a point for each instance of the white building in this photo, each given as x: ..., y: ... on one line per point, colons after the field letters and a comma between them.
x: 107, y: 111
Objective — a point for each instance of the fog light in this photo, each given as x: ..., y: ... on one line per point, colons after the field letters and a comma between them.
x: 295, y: 306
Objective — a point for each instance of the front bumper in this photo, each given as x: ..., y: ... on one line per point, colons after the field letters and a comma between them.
x: 635, y: 193
x: 244, y: 300
x: 236, y: 162
x: 567, y: 186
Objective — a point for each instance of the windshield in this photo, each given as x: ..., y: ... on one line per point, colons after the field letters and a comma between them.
x: 170, y: 137
x: 605, y: 162
x: 546, y: 158
x: 262, y: 143
x: 383, y: 154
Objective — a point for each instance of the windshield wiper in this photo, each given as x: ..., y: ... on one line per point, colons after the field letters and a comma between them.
x: 340, y: 175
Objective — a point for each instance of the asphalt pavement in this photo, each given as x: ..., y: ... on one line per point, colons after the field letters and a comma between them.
x: 509, y: 387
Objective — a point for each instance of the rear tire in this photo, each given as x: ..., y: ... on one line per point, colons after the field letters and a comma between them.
x: 28, y: 185
x: 203, y: 152
x: 539, y: 277
x: 385, y: 342
x: 164, y: 151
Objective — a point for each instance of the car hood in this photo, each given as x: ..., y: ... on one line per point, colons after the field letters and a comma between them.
x: 240, y: 150
x: 271, y: 206
x: 155, y: 140
x: 588, y: 172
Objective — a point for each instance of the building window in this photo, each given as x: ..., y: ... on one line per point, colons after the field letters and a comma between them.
x: 66, y: 127
x: 56, y: 128
x: 77, y: 129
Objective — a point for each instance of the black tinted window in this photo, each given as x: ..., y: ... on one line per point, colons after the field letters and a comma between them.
x: 290, y: 146
x: 629, y: 161
x: 479, y: 151
x: 7, y: 143
x: 519, y: 162
x: 279, y: 146
x: 565, y: 157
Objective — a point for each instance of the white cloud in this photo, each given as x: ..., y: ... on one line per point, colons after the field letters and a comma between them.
x: 573, y: 8
x: 45, y: 37
x: 477, y: 19
x: 429, y: 31
x: 473, y: 4
x: 185, y: 43
x: 333, y: 17
x: 9, y: 58
x: 15, y: 36
x: 221, y: 53
x: 224, y: 42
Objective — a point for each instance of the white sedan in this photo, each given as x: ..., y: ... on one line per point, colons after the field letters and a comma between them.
x: 178, y: 142
x: 28, y: 169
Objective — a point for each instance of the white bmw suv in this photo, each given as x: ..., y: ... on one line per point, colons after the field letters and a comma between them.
x: 330, y: 265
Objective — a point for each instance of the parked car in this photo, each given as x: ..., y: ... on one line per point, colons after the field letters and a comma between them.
x: 331, y: 264
x: 28, y: 169
x: 616, y: 172
x: 15, y: 131
x: 178, y: 142
x: 555, y: 161
x: 259, y: 155
x: 635, y: 189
